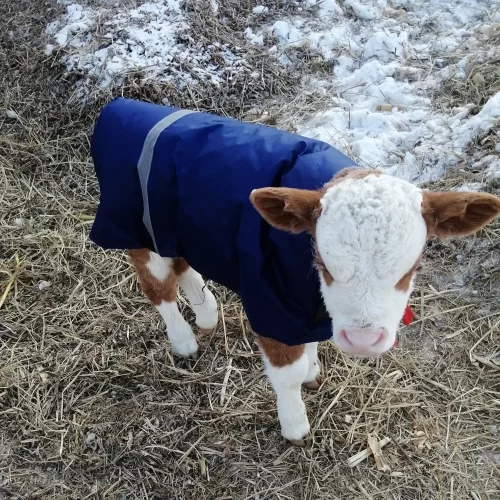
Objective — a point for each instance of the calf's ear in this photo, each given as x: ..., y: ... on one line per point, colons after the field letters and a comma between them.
x: 293, y: 210
x: 449, y: 214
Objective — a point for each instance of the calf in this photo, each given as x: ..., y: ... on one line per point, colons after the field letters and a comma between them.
x: 194, y: 192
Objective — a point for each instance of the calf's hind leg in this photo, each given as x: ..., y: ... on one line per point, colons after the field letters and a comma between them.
x: 200, y: 297
x: 158, y: 278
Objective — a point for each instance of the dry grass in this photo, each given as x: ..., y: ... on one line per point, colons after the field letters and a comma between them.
x: 482, y: 74
x: 92, y: 404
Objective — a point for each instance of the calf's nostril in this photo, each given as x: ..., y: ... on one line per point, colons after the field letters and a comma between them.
x: 343, y: 335
x: 381, y: 335
x: 363, y: 337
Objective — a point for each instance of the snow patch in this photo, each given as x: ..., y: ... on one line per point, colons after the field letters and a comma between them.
x: 260, y: 9
x: 326, y: 7
x: 365, y: 10
x: 42, y: 285
x: 107, y: 42
x: 380, y: 92
x: 255, y: 38
x: 72, y: 29
x: 286, y: 33
x: 483, y: 122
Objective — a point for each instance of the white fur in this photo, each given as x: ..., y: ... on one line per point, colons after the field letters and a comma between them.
x: 158, y: 266
x: 287, y: 382
x: 369, y: 234
x: 199, y: 296
x: 178, y: 330
x: 314, y: 365
x: 202, y: 300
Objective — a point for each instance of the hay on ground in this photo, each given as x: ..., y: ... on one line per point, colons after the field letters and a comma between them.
x: 94, y: 406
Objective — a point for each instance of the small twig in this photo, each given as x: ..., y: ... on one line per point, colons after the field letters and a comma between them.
x: 363, y: 455
x: 20, y: 264
x: 190, y: 449
x: 471, y: 356
x: 330, y: 406
x: 376, y: 449
x: 226, y: 380
x: 487, y: 362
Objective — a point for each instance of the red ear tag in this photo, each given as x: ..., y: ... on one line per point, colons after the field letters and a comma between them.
x: 408, y: 316
x: 407, y: 319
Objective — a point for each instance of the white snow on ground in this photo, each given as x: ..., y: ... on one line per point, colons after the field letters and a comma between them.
x: 260, y: 9
x: 389, y: 60
x: 106, y: 41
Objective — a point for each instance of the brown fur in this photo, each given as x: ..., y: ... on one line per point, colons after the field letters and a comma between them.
x: 180, y: 266
x: 294, y: 210
x: 326, y: 275
x: 320, y: 265
x: 354, y: 173
x: 404, y: 283
x: 449, y: 214
x: 155, y: 290
x: 297, y: 210
x: 279, y: 354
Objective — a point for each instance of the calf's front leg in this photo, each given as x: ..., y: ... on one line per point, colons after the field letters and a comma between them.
x: 313, y: 379
x: 287, y: 368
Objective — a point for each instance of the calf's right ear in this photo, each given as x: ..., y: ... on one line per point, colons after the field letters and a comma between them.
x: 293, y: 210
x: 449, y: 214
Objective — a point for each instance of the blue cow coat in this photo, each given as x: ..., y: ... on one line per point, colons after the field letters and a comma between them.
x: 182, y: 189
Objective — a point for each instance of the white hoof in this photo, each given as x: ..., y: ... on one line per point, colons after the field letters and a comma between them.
x: 184, y: 342
x: 297, y: 432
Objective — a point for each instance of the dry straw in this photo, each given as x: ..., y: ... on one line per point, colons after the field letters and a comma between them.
x: 94, y: 406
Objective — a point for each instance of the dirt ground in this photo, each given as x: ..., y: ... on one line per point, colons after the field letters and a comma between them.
x: 94, y: 406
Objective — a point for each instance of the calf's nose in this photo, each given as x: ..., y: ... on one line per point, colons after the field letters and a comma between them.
x: 362, y: 338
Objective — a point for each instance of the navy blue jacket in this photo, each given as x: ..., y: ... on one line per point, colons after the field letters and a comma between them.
x: 183, y: 191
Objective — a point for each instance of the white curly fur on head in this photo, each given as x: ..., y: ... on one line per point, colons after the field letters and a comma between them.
x: 369, y: 234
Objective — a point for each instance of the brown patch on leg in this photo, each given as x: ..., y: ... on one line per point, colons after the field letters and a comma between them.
x: 279, y: 354
x: 179, y: 266
x: 154, y: 289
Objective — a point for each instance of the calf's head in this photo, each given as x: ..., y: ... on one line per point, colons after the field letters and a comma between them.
x: 369, y: 231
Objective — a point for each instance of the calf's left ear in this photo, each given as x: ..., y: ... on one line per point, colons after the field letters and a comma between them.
x: 293, y: 210
x: 449, y: 214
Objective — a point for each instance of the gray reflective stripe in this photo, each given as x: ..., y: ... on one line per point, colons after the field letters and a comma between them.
x: 144, y: 163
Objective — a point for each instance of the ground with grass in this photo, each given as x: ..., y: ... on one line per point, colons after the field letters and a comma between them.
x: 92, y: 403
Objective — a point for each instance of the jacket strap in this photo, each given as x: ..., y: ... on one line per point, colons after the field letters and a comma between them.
x: 145, y: 160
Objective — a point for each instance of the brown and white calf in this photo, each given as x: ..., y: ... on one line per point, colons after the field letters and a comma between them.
x: 369, y: 230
